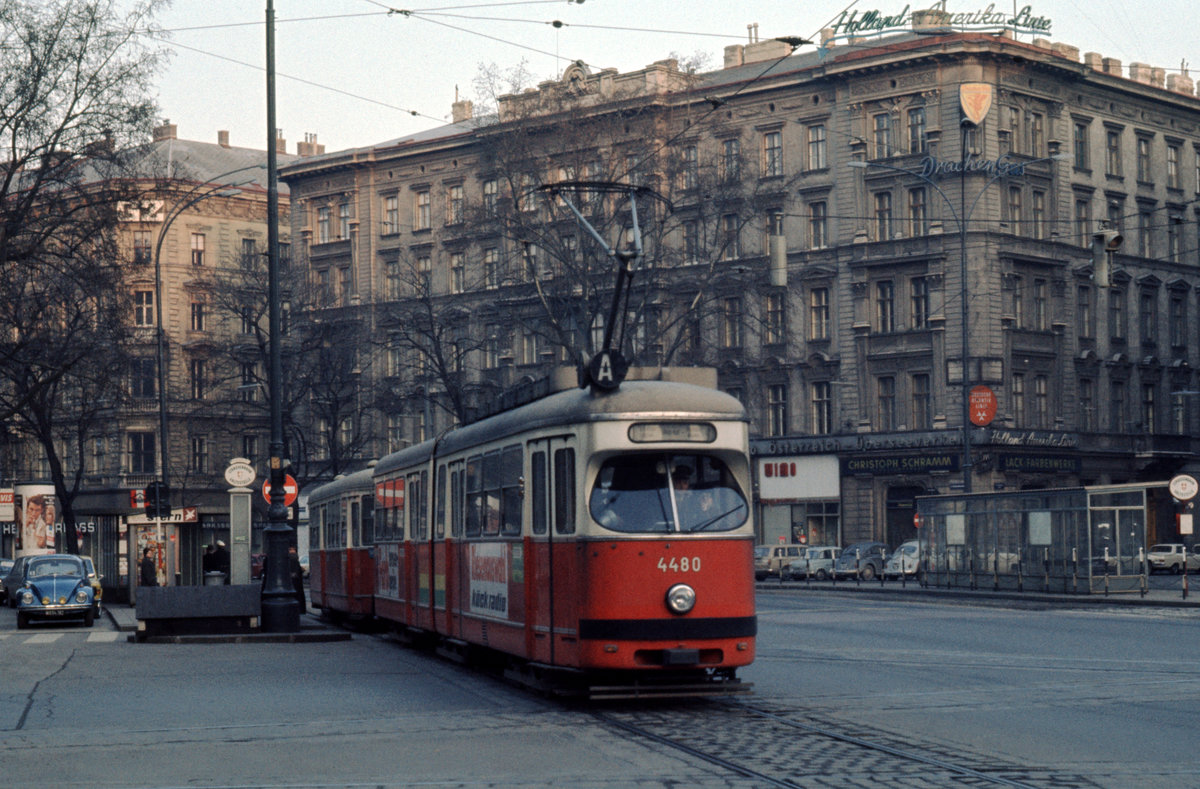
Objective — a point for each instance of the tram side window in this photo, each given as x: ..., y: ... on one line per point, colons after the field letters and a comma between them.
x: 314, y: 531
x: 368, y: 519
x: 439, y: 518
x: 491, y: 493
x: 537, y: 489
x: 355, y: 534
x: 564, y: 491
x: 474, y: 496
x: 511, y: 461
x: 399, y: 499
x: 418, y: 519
x: 456, y: 501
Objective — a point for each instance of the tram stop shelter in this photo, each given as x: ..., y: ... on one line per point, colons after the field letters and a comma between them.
x: 1085, y: 540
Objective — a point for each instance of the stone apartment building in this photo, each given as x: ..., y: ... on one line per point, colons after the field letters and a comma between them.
x: 831, y: 234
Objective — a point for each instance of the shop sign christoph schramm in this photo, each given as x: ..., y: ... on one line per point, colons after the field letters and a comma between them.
x: 851, y: 23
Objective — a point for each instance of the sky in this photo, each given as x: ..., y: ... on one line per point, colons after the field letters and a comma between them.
x: 356, y: 72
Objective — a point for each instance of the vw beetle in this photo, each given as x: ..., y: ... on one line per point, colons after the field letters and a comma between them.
x: 55, y: 586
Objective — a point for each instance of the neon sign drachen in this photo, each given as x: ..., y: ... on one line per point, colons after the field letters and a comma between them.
x: 996, y: 168
x: 858, y: 23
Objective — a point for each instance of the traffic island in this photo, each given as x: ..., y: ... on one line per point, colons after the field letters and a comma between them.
x: 197, y: 610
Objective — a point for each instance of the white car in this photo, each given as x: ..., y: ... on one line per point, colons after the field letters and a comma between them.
x: 1172, y: 557
x: 905, y: 561
x: 817, y: 562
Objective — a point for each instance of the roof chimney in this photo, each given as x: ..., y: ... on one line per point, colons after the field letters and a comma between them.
x: 223, y: 138
x: 280, y: 143
x: 461, y: 111
x: 167, y: 131
x: 310, y: 146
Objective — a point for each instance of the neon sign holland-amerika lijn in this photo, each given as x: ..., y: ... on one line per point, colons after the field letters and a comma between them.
x: 875, y: 22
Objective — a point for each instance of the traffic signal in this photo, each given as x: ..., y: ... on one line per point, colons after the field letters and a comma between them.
x: 158, y: 500
x: 1104, y: 244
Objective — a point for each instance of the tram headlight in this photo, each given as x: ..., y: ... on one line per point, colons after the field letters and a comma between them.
x: 681, y: 598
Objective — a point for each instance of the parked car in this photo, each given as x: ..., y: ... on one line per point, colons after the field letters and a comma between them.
x: 817, y: 562
x: 905, y: 561
x: 13, y: 580
x: 863, y: 560
x: 5, y: 566
x: 770, y: 559
x: 1172, y: 557
x: 55, y: 586
x: 94, y: 580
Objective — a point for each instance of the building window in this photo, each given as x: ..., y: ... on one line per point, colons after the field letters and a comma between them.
x: 731, y: 247
x: 918, y: 219
x: 198, y: 377
x: 141, y: 453
x: 197, y: 249
x: 731, y: 323
x: 345, y: 286
x: 818, y: 236
x: 886, y: 387
x: 690, y: 165
x: 1117, y: 327
x: 883, y: 216
x: 323, y: 225
x: 1112, y: 152
x: 343, y: 221
x: 144, y: 377
x: 454, y: 206
x: 197, y: 316
x: 1014, y: 209
x: 1018, y: 399
x: 421, y: 216
x: 391, y: 280
x: 1087, y: 405
x: 922, y: 402
x: 1148, y: 317
x: 885, y: 307
x: 1041, y: 402
x: 777, y: 410
x: 816, y: 148
x: 425, y: 275
x: 920, y: 303
x: 1178, y: 320
x: 1173, y: 181
x: 249, y: 386
x: 1085, y: 312
x: 491, y: 193
x: 917, y: 140
x: 199, y: 459
x: 1144, y: 220
x: 1035, y: 123
x: 822, y: 408
x: 491, y: 268
x: 691, y: 242
x: 1018, y: 302
x: 883, y: 135
x: 818, y: 314
x: 143, y: 308
x: 772, y: 154
x: 458, y: 269
x: 391, y: 215
x: 1041, y: 305
x: 775, y: 330
x: 1082, y: 160
x: 1083, y: 222
x: 141, y: 246
x: 1039, y: 214
x: 1012, y: 131
x: 1117, y: 416
x: 1149, y: 411
x: 1143, y: 159
x: 1174, y: 232
x: 731, y: 158
x: 1179, y: 414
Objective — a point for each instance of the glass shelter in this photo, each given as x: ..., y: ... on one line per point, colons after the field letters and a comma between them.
x: 1074, y: 540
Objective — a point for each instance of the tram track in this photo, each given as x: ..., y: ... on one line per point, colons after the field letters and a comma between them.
x: 788, y: 747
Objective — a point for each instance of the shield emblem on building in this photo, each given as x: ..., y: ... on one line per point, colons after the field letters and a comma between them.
x: 976, y: 100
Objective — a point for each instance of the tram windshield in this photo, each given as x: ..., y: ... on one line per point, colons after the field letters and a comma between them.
x: 660, y: 493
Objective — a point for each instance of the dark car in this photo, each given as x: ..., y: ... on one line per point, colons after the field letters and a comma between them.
x: 12, y: 580
x: 54, y: 586
x: 863, y: 560
x: 5, y: 566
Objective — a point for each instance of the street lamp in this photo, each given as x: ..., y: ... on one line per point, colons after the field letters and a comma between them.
x: 962, y: 218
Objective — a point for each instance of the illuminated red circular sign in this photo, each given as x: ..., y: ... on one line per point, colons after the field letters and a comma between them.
x: 982, y: 404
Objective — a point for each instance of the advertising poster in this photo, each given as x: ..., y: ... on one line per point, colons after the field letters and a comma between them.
x: 489, y: 579
x: 37, y: 517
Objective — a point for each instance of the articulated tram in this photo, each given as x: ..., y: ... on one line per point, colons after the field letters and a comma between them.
x: 593, y: 542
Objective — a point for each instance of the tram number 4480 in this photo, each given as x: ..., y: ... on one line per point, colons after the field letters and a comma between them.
x: 680, y: 565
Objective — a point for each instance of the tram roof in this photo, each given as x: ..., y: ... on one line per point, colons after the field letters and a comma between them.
x: 358, y: 480
x: 658, y: 400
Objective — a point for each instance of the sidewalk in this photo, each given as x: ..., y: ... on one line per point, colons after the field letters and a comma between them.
x: 312, y: 629
x: 1163, y: 598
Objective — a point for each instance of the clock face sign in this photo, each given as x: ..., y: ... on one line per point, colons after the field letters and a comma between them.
x: 239, y: 475
x: 1183, y: 487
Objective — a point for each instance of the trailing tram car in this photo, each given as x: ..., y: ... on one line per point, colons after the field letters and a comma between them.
x: 594, y: 543
x: 341, y: 545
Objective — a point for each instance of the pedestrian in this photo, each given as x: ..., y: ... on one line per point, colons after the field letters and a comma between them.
x: 209, y: 561
x: 147, y: 573
x: 297, y: 575
x: 221, y: 559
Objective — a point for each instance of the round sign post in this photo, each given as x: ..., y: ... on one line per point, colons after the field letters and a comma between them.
x: 290, y: 490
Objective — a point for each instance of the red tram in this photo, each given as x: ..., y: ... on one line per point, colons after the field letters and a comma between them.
x: 341, y: 533
x: 595, y: 542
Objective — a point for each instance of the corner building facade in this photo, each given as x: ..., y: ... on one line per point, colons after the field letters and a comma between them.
x: 828, y: 288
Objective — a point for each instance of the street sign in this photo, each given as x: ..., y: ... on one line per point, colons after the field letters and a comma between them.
x: 983, y: 405
x: 290, y: 490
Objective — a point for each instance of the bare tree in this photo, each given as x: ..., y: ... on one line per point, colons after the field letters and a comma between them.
x: 74, y: 94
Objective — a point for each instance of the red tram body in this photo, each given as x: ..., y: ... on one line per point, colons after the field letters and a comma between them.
x: 595, y: 541
x: 341, y: 567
